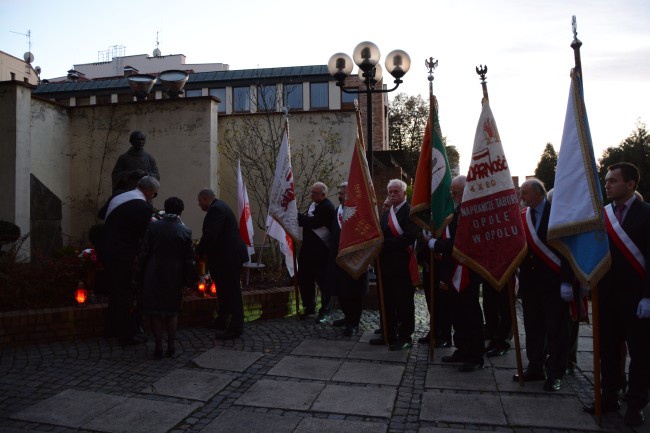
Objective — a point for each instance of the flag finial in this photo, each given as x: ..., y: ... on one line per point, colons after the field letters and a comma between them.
x: 482, y: 72
x: 431, y: 64
x: 576, y: 44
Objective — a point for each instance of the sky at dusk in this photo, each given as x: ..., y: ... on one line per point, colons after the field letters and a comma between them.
x: 525, y: 44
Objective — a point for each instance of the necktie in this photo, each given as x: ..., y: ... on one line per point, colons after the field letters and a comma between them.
x: 618, y: 211
x: 533, y: 217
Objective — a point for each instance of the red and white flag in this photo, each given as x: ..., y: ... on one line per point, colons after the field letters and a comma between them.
x: 282, y: 202
x: 490, y: 236
x: 361, y: 237
x: 244, y: 212
x: 274, y: 230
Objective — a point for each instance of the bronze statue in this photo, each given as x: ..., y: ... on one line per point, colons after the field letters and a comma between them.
x: 135, y: 163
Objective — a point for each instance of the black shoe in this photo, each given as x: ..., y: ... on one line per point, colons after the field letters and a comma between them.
x: 400, y: 345
x: 493, y: 352
x: 217, y: 324
x: 339, y: 322
x: 552, y: 385
x: 379, y: 331
x: 454, y: 357
x: 228, y: 334
x: 424, y: 340
x: 608, y: 405
x: 157, y: 353
x: 322, y: 318
x: 307, y: 316
x: 530, y: 376
x: 136, y: 339
x: 633, y: 418
x: 570, y: 371
x: 469, y: 367
x: 349, y: 331
x: 377, y: 341
x: 442, y: 344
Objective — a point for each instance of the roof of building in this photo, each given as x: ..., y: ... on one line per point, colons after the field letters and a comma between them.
x: 243, y: 75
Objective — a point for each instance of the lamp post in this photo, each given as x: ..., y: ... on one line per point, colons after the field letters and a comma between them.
x: 366, y: 56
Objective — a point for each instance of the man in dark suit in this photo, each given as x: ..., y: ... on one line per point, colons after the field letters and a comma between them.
x: 624, y: 295
x: 314, y: 253
x: 348, y: 290
x: 545, y: 279
x: 127, y: 217
x: 466, y: 314
x: 397, y: 261
x: 226, y: 253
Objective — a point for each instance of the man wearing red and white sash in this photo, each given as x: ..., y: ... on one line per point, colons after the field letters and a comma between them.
x: 545, y: 279
x: 624, y: 294
x: 397, y: 260
x: 464, y: 286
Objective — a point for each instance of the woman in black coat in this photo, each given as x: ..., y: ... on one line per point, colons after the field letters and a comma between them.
x: 166, y: 264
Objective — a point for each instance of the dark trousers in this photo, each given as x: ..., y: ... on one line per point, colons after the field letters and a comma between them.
x: 441, y: 307
x: 498, y: 323
x: 230, y: 312
x: 467, y: 320
x: 546, y: 321
x: 120, y: 318
x: 619, y: 323
x: 352, y: 307
x: 399, y: 304
x: 308, y: 275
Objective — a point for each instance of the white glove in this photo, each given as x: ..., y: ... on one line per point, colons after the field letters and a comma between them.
x: 426, y: 235
x: 432, y: 243
x: 566, y: 292
x: 643, y: 310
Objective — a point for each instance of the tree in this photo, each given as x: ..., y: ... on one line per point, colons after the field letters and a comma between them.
x: 407, y: 118
x: 545, y: 170
x: 407, y: 121
x: 634, y: 149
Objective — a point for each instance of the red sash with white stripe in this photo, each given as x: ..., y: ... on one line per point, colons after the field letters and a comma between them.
x: 544, y: 252
x: 623, y: 241
x: 396, y: 229
x: 339, y: 216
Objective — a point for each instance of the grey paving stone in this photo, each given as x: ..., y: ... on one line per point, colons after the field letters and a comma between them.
x: 448, y: 377
x: 365, y: 372
x: 463, y: 408
x: 223, y: 359
x: 448, y: 430
x: 320, y: 425
x: 507, y: 360
x: 237, y: 421
x: 305, y: 368
x: 281, y: 394
x: 547, y: 412
x: 70, y: 408
x: 356, y: 400
x: 367, y: 335
x: 505, y: 383
x: 377, y: 353
x: 137, y: 415
x: 585, y: 343
x: 190, y: 384
x: 331, y: 349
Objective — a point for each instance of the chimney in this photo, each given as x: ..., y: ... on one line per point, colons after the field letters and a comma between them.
x: 129, y: 70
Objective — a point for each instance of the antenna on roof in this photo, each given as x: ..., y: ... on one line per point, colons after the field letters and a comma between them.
x: 156, y: 52
x: 28, y: 56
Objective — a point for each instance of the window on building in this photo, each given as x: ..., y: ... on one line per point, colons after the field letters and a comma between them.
x: 318, y: 95
x: 347, y: 99
x: 192, y: 93
x: 267, y: 97
x: 82, y: 101
x: 293, y: 96
x: 241, y: 99
x: 221, y: 95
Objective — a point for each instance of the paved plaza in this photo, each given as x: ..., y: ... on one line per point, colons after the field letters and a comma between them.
x: 283, y: 375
